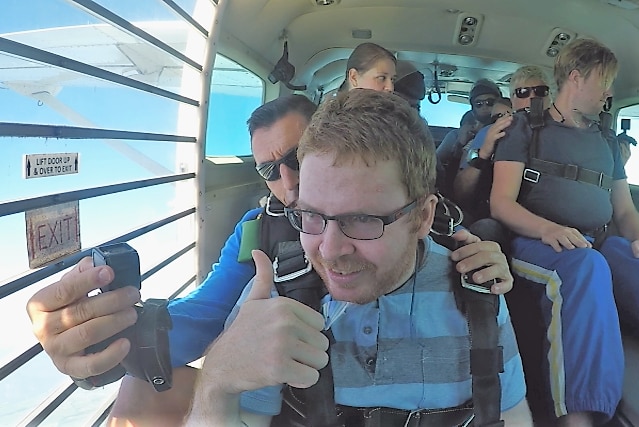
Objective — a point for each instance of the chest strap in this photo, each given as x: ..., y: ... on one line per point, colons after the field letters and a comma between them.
x: 536, y: 167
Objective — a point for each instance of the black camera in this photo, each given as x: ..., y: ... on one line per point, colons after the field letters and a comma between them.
x: 149, y: 357
x: 124, y: 261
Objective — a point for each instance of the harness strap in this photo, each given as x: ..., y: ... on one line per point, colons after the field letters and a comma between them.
x: 536, y: 167
x: 294, y: 278
x: 486, y: 357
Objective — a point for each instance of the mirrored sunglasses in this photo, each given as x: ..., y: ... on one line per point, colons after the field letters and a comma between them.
x: 488, y: 102
x: 539, y: 91
x: 270, y: 171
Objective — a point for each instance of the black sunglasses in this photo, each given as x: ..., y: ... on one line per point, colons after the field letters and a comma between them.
x: 489, y: 102
x: 539, y: 91
x: 270, y: 171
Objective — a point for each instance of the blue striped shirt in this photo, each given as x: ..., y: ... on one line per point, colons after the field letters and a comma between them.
x: 409, y: 349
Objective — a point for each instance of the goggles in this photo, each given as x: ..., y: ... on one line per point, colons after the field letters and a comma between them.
x: 270, y: 171
x: 539, y: 91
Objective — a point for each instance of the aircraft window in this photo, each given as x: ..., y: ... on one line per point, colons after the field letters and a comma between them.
x: 235, y: 93
x: 632, y: 167
x: 446, y: 113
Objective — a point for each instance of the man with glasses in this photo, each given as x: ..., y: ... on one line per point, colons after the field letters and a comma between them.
x: 483, y: 95
x: 366, y: 204
x: 60, y: 324
x: 473, y: 181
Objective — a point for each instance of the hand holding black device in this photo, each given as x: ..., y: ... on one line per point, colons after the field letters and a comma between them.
x: 149, y: 357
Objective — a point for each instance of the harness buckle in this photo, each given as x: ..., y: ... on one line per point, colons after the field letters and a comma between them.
x: 531, y: 175
x: 571, y: 172
x: 468, y: 421
x: 292, y: 275
x: 600, y: 181
x: 415, y: 412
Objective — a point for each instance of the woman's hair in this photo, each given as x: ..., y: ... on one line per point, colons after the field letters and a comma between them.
x: 585, y: 56
x: 525, y: 73
x: 368, y: 126
x: 363, y: 58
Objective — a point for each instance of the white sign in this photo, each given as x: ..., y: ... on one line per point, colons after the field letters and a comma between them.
x: 41, y: 165
x: 52, y: 232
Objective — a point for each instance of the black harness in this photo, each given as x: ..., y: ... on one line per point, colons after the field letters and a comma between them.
x: 536, y: 167
x: 295, y: 278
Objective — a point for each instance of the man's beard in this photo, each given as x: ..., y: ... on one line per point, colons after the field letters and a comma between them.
x: 384, y: 284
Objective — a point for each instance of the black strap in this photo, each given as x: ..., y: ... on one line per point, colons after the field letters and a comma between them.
x: 486, y: 357
x: 294, y: 279
x: 150, y: 359
x: 537, y: 122
x: 572, y: 172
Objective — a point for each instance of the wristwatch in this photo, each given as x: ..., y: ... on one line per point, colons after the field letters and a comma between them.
x: 477, y: 162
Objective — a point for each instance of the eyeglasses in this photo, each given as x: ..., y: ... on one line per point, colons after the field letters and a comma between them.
x: 358, y: 227
x: 539, y: 91
x: 498, y: 116
x: 270, y: 171
x: 489, y: 102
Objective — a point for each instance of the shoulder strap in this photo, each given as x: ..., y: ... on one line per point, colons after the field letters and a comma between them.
x: 274, y: 227
x: 486, y: 356
x: 295, y: 278
x: 536, y: 120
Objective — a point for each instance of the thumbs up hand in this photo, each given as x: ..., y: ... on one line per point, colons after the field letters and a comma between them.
x: 272, y: 341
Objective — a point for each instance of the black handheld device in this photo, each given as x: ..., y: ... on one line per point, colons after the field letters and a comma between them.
x: 149, y: 357
x: 124, y: 261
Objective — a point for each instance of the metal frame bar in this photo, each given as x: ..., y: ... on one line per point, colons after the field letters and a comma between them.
x: 167, y: 261
x: 27, y: 280
x: 15, y: 129
x: 36, y: 419
x: 44, y: 57
x: 23, y: 358
x: 106, y: 15
x: 179, y: 290
x: 186, y: 16
x: 17, y: 206
x: 36, y: 349
x: 73, y: 132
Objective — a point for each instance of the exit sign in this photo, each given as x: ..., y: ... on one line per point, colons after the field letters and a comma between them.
x: 52, y: 232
